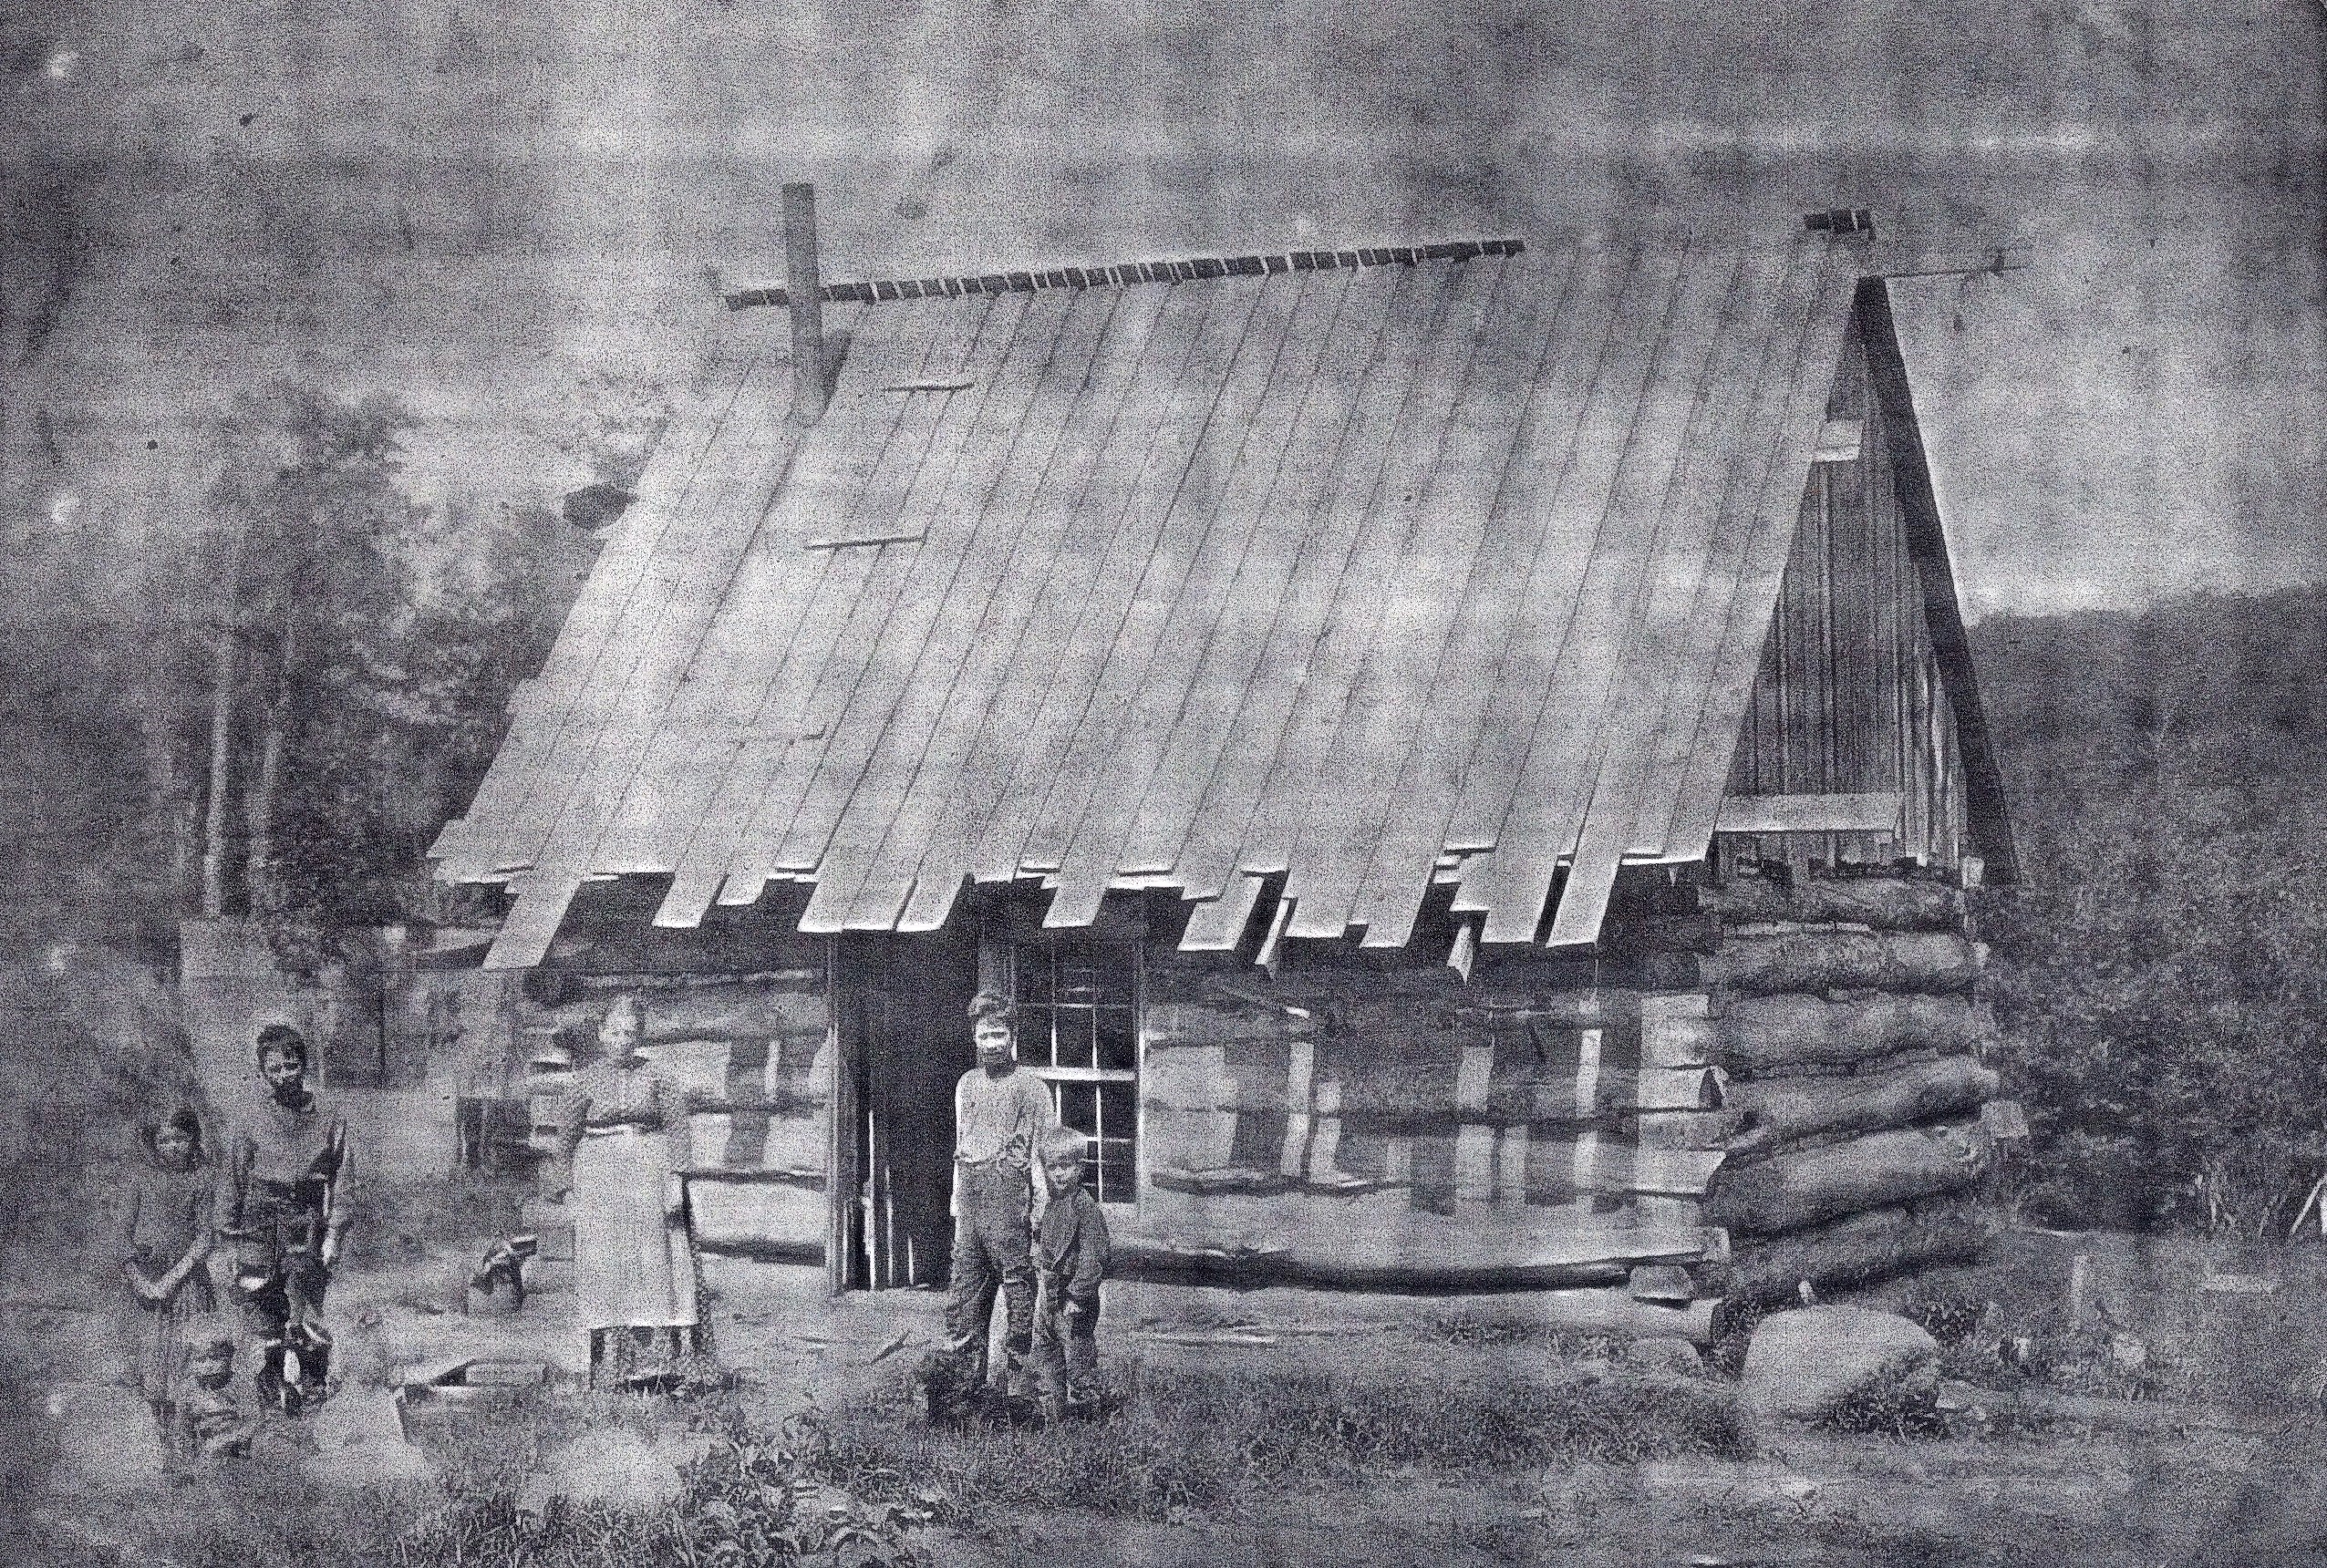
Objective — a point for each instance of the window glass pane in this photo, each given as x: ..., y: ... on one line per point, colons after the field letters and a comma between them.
x: 1118, y: 1046
x: 1077, y: 1002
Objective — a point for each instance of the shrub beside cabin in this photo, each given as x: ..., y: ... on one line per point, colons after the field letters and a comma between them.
x: 1466, y: 758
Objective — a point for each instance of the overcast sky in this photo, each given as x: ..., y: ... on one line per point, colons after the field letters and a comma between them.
x: 511, y: 213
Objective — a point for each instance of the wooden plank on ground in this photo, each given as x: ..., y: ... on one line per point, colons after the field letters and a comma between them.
x: 1523, y: 553
x: 1135, y: 489
x: 1238, y: 437
x: 1176, y: 629
x: 1568, y: 726
x: 1396, y: 450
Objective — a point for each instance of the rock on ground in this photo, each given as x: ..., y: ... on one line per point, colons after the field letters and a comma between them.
x: 358, y: 1441
x: 1802, y: 1364
x: 618, y: 1469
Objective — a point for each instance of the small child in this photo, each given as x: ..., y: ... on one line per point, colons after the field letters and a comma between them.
x: 1069, y: 1259
x: 166, y: 1243
x: 210, y: 1426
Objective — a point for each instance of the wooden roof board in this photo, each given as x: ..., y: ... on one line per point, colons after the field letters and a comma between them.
x: 586, y: 777
x: 1699, y: 797
x: 1526, y: 533
x: 1515, y: 881
x: 1387, y: 457
x: 1451, y: 508
x: 1136, y: 494
x: 1549, y: 600
x: 902, y: 584
x: 1650, y: 663
x: 717, y: 705
x: 594, y: 765
x: 587, y: 645
x: 1179, y: 632
x: 892, y: 823
x: 964, y: 778
x: 1753, y: 471
x: 905, y: 694
x: 860, y: 430
x: 1198, y: 742
x: 583, y: 642
x: 1332, y: 573
x: 1329, y: 507
x: 1202, y: 506
x: 819, y: 663
x: 940, y: 584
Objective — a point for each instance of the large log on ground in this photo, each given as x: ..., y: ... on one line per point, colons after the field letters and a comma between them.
x: 1927, y: 961
x: 1806, y: 1186
x: 1860, y: 1248
x: 1781, y: 1110
x: 1760, y: 1034
x: 1886, y: 903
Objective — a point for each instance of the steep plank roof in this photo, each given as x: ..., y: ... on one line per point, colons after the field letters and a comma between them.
x: 1358, y: 567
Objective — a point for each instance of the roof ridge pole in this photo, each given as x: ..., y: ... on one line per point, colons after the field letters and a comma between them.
x: 805, y: 291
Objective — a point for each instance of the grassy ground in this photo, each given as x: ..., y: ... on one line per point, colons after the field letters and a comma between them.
x: 1186, y: 1441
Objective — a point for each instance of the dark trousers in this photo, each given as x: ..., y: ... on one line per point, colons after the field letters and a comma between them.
x: 993, y: 1250
x: 1066, y: 1344
x: 281, y: 1280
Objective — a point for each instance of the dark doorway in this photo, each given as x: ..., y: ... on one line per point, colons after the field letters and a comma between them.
x: 905, y: 1036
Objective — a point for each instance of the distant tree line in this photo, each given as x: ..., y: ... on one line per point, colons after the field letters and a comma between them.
x: 2162, y: 973
x: 264, y: 699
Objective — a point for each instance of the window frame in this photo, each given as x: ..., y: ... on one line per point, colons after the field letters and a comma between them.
x: 1015, y: 945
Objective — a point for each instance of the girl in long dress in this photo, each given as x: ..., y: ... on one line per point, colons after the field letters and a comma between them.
x: 165, y: 1253
x: 633, y: 1263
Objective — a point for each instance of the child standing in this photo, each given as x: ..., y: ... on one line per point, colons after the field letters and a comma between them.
x: 166, y: 1251
x: 1070, y: 1259
x: 209, y: 1426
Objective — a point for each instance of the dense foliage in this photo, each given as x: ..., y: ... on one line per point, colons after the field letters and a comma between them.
x: 2161, y: 973
x: 374, y: 642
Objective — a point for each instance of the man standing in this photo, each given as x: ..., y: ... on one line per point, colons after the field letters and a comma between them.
x: 999, y: 1112
x: 286, y: 1212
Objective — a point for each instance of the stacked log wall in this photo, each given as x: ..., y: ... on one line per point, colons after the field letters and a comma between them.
x: 1850, y: 1034
x: 1371, y: 1124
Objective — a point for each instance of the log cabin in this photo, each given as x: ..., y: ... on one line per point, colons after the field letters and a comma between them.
x: 1465, y: 756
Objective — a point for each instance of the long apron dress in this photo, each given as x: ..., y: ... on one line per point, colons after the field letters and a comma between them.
x: 634, y: 1264
x: 169, y: 1211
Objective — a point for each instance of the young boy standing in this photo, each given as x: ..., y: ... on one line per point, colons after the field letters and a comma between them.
x: 999, y: 1112
x: 288, y: 1208
x: 1071, y: 1257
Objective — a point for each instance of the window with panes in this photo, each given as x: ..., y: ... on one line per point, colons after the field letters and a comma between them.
x: 1077, y: 1030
